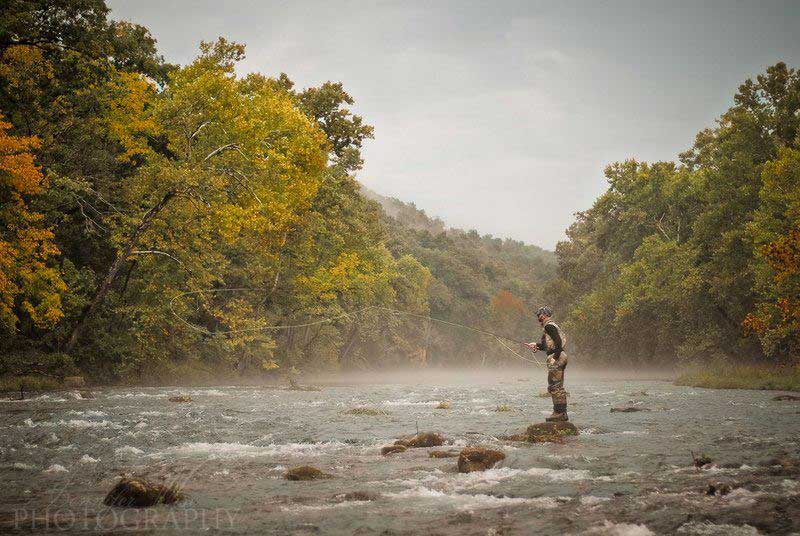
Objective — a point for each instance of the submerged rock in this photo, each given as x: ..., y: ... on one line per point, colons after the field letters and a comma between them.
x: 393, y: 449
x: 629, y: 409
x: 503, y: 407
x: 787, y: 398
x: 86, y: 395
x: 478, y: 459
x: 444, y: 404
x: 421, y: 440
x: 550, y: 432
x: 443, y: 454
x: 358, y: 496
x: 304, y: 388
x: 294, y: 386
x: 305, y: 472
x: 180, y: 398
x: 138, y: 493
x: 366, y: 411
x: 639, y: 393
x: 718, y: 489
x: 701, y: 461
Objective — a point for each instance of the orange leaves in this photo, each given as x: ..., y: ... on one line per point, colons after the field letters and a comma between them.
x: 507, y: 307
x: 17, y: 169
x: 28, y: 286
x: 784, y: 255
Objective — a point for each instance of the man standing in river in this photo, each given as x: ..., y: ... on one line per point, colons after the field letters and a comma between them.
x: 553, y: 342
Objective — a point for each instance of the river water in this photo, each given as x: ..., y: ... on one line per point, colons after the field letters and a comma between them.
x: 626, y: 473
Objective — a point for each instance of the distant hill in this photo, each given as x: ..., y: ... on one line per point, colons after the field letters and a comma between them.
x: 483, y: 281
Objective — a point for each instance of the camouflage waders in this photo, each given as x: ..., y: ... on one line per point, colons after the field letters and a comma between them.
x: 556, y: 363
x: 555, y: 379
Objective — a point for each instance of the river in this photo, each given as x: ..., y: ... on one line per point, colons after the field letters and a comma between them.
x: 626, y: 473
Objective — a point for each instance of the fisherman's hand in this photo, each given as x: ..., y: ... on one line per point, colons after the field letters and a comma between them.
x: 532, y: 346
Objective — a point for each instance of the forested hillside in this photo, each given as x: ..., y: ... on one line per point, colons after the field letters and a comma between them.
x: 157, y: 219
x: 486, y: 282
x: 700, y: 258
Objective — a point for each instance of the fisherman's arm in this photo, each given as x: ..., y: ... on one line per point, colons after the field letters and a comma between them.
x: 542, y: 344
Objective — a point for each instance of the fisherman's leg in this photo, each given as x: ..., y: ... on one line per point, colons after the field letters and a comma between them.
x: 555, y: 379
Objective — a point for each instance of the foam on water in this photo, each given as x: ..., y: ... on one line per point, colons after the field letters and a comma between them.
x: 470, y: 502
x: 56, y: 468
x: 88, y: 413
x: 87, y: 459
x: 216, y: 450
x: 127, y: 451
x: 711, y: 529
x: 619, y: 529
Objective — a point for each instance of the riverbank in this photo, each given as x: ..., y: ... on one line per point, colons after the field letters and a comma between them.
x: 727, y: 376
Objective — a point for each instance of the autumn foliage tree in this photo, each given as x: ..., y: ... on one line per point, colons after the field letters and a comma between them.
x: 30, y: 287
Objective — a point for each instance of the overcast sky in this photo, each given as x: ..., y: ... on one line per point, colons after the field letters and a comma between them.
x: 501, y: 116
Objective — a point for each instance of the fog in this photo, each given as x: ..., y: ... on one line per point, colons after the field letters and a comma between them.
x: 537, y: 376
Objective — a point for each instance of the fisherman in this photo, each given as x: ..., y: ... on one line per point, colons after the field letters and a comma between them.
x: 553, y: 342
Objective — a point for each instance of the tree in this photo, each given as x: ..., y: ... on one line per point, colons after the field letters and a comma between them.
x: 30, y: 287
x: 240, y: 165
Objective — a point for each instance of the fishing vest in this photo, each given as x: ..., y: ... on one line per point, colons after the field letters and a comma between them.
x: 549, y: 341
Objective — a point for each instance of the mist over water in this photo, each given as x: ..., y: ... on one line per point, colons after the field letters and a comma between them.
x: 626, y: 473
x: 446, y: 376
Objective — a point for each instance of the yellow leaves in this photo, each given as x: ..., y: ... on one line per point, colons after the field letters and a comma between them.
x: 129, y: 117
x: 25, y: 70
x: 349, y: 275
x: 269, y: 364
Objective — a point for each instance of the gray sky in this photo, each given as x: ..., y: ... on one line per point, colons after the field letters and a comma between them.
x: 501, y: 116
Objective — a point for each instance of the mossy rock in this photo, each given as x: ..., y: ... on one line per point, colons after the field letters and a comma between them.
x: 180, y: 398
x: 478, y: 459
x: 393, y: 449
x: 503, y: 407
x: 718, y: 489
x: 421, y: 440
x: 550, y: 432
x: 701, y: 461
x: 138, y: 493
x: 442, y: 454
x: 444, y: 404
x: 358, y: 496
x: 305, y: 472
x: 366, y: 411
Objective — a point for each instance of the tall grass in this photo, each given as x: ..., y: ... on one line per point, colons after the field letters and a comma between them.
x: 721, y: 375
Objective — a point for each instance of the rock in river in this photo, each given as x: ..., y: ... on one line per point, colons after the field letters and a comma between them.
x: 443, y: 454
x: 478, y: 459
x: 138, y: 493
x: 787, y: 398
x: 421, y: 440
x: 628, y: 409
x: 305, y: 472
x: 180, y: 398
x: 392, y: 449
x: 550, y: 432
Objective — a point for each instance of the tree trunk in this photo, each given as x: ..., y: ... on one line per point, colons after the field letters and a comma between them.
x: 122, y: 256
x: 351, y: 338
